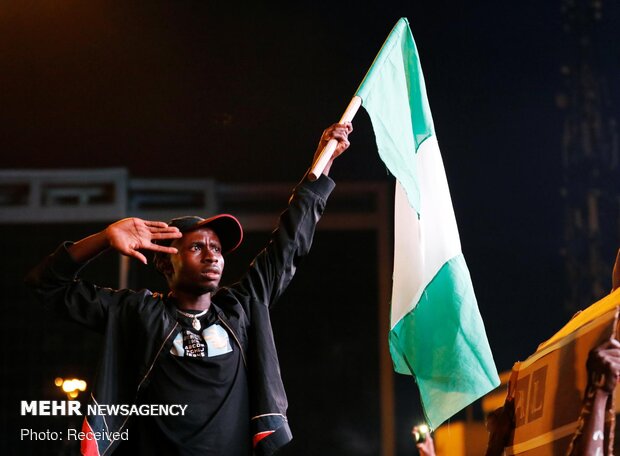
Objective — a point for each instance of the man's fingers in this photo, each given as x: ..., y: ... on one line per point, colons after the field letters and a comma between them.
x: 613, y: 362
x: 156, y: 224
x: 137, y: 255
x: 161, y: 248
x: 611, y: 351
x: 609, y: 345
x: 613, y: 343
x: 337, y: 131
x: 164, y: 229
x: 347, y: 126
x: 340, y: 132
x: 167, y: 235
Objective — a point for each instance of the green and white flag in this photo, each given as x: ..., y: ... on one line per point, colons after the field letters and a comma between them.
x: 437, y: 333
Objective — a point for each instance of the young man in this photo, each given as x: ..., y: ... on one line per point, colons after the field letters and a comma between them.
x: 201, y: 346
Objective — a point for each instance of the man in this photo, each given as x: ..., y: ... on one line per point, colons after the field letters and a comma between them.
x: 200, y: 345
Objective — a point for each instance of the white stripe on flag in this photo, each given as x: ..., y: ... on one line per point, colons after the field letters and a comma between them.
x: 422, y: 246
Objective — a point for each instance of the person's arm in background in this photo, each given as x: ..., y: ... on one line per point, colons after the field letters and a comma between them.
x: 500, y: 423
x: 423, y: 441
x: 603, y: 367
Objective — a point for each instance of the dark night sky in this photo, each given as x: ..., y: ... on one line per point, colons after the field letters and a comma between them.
x: 242, y: 92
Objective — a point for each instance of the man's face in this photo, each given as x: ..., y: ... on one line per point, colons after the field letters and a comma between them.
x: 198, y: 267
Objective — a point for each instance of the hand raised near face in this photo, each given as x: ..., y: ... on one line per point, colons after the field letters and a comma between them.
x: 130, y: 235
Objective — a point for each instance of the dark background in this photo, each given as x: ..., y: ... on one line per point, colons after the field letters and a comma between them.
x: 241, y: 92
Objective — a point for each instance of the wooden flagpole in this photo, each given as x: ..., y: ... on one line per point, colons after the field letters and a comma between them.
x: 326, y: 154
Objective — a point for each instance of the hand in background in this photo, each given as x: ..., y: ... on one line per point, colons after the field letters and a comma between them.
x: 423, y: 441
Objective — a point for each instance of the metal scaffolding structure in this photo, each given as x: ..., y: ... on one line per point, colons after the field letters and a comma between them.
x: 106, y: 195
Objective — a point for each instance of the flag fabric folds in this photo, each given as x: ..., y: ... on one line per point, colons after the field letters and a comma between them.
x: 437, y: 334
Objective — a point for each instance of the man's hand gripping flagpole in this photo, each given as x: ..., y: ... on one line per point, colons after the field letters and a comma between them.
x: 326, y: 154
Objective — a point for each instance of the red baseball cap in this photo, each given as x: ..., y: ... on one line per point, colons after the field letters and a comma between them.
x: 226, y: 226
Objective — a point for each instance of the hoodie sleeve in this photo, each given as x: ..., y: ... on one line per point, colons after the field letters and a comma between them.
x: 273, y: 268
x: 56, y: 285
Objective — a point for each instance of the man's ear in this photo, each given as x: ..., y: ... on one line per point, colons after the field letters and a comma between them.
x: 163, y: 265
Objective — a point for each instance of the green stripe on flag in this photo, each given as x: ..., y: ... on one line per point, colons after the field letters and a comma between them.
x: 442, y: 342
x: 393, y: 93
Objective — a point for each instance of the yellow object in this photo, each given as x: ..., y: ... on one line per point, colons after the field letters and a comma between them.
x: 594, y: 311
x: 461, y: 439
x: 71, y: 387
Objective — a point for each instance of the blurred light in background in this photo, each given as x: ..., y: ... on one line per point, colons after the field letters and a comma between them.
x: 71, y: 387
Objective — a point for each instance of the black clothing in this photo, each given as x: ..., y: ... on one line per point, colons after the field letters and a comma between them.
x: 206, y: 372
x: 139, y: 326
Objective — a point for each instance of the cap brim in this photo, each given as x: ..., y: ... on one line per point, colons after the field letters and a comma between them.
x: 227, y: 228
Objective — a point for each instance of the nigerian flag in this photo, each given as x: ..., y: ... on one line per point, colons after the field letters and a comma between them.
x: 437, y: 333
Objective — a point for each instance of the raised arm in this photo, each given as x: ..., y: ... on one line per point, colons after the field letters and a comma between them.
x: 500, y: 424
x: 127, y: 236
x: 423, y: 440
x: 603, y: 367
x: 274, y: 267
x: 55, y: 283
